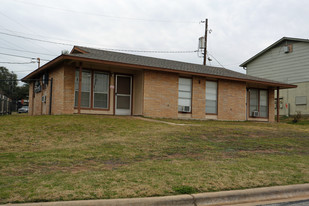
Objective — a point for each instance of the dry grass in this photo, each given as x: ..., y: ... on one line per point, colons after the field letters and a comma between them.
x: 46, y: 158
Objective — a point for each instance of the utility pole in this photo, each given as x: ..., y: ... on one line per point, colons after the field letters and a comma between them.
x: 205, y: 46
x: 39, y: 61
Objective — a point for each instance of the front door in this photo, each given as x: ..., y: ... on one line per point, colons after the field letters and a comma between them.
x: 123, y: 95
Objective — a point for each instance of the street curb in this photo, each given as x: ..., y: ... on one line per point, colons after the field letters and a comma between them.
x: 202, y: 199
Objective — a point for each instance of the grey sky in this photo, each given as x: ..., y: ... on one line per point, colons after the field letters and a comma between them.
x: 240, y: 28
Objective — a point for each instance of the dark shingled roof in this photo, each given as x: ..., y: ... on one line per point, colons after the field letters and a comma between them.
x: 118, y: 57
x: 80, y: 53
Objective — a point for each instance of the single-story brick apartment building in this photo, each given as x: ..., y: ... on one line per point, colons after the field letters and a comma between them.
x: 93, y: 81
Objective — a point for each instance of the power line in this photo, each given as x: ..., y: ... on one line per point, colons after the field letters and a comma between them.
x: 216, y: 60
x: 104, y: 15
x: 13, y: 55
x: 35, y: 39
x: 17, y: 62
x: 22, y: 26
x: 27, y: 51
x: 111, y: 49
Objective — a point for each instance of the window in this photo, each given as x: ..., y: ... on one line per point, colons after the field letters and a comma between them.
x: 301, y: 100
x: 86, y: 88
x: 184, y: 95
x: 211, y: 97
x: 100, y: 90
x: 76, y: 88
x: 258, y: 103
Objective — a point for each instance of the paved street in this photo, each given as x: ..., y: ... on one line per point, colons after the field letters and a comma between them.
x: 295, y: 203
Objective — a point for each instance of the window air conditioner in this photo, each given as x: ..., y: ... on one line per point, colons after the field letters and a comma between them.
x: 185, y: 109
x: 255, y: 113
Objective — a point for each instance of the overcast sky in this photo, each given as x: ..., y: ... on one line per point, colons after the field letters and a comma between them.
x: 240, y: 28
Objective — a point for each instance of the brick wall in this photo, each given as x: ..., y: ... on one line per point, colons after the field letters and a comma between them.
x: 198, y: 98
x: 160, y: 94
x: 231, y: 100
x: 69, y: 83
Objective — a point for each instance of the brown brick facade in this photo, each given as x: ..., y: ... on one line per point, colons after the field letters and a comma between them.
x: 155, y: 95
x: 198, y: 98
x: 160, y: 94
x: 231, y: 100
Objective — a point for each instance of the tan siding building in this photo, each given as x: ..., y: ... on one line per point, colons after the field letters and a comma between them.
x: 287, y: 60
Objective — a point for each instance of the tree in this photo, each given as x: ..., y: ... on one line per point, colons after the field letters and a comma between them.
x: 8, y: 82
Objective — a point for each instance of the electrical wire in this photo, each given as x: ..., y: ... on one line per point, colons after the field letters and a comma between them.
x: 1, y: 13
x: 20, y: 50
x: 13, y: 55
x: 17, y: 62
x: 215, y: 59
x: 104, y: 15
x: 111, y: 49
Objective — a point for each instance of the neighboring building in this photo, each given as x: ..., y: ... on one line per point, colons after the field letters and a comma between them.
x: 5, y: 105
x: 286, y: 60
x: 92, y: 81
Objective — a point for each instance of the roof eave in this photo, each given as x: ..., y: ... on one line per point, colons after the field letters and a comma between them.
x: 69, y: 57
x: 44, y: 67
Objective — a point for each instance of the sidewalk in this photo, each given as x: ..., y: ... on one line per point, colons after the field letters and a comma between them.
x: 243, y: 197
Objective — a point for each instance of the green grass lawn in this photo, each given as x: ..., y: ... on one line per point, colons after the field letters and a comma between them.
x: 49, y: 158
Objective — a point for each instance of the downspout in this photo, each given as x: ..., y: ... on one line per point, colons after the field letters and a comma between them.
x: 50, y: 96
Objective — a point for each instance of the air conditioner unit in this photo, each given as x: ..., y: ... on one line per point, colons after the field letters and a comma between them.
x: 44, y: 99
x: 255, y: 113
x: 185, y: 109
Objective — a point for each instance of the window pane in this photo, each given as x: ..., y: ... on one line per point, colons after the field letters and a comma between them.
x: 186, y: 88
x: 211, y: 97
x: 100, y: 90
x: 184, y: 102
x: 85, y: 100
x: 76, y: 99
x: 76, y: 87
x: 263, y: 103
x: 184, y: 92
x: 263, y: 97
x: 76, y: 80
x: 100, y: 82
x: 185, y: 81
x: 86, y: 81
x: 263, y: 111
x: 100, y: 100
x: 254, y: 100
x: 211, y: 106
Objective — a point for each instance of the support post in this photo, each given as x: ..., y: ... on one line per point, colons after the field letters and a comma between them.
x: 278, y: 104
x: 79, y: 87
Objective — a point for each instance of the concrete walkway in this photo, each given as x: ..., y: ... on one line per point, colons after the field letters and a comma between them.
x: 164, y: 122
x: 244, y: 197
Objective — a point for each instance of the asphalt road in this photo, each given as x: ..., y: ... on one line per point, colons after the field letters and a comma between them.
x: 295, y: 203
